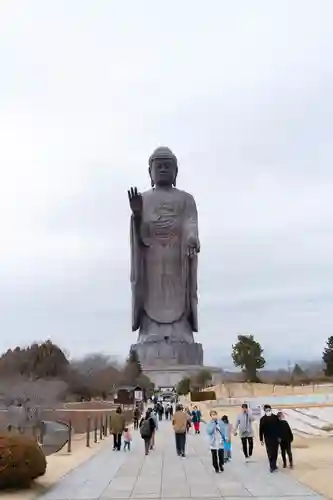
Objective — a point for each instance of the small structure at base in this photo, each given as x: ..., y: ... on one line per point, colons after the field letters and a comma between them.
x: 129, y: 395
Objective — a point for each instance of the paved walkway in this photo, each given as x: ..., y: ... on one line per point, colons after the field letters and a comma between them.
x: 163, y: 475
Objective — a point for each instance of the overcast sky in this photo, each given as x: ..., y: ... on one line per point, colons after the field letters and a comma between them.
x: 242, y: 93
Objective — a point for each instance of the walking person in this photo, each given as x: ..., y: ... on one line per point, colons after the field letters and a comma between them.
x: 196, y: 419
x: 147, y: 428
x: 160, y: 411
x: 269, y: 435
x: 244, y: 423
x: 152, y: 441
x: 168, y: 411
x: 286, y: 437
x: 117, y: 428
x: 136, y: 417
x: 180, y: 422
x: 189, y: 419
x: 216, y: 433
x: 127, y: 439
x: 227, y: 442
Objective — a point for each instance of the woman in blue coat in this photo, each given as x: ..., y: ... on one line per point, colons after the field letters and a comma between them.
x: 217, y: 436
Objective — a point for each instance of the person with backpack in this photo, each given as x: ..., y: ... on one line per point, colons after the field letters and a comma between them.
x: 167, y: 411
x: 147, y: 429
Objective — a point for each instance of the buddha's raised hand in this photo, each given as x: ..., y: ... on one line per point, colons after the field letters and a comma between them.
x: 135, y: 200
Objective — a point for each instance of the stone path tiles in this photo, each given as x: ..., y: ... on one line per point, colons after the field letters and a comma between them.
x: 163, y: 475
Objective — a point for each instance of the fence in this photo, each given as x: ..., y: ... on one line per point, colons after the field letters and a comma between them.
x: 94, y: 426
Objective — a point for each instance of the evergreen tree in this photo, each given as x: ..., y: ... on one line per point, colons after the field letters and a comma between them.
x: 133, y: 369
x: 298, y: 375
x: 203, y: 378
x: 297, y: 371
x: 328, y: 357
x: 184, y: 386
x: 247, y: 353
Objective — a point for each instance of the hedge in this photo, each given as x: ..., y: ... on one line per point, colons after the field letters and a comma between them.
x: 203, y: 396
x: 21, y: 461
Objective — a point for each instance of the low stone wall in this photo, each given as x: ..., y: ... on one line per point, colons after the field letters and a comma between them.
x: 77, y: 417
x: 89, y: 405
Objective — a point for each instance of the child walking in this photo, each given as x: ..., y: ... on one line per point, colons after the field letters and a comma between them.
x: 216, y: 434
x: 196, y: 419
x: 227, y: 441
x: 127, y: 439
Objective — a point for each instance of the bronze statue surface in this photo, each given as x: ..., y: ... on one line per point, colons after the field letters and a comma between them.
x: 164, y: 259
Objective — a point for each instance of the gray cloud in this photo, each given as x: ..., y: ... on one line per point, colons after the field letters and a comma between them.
x: 241, y: 92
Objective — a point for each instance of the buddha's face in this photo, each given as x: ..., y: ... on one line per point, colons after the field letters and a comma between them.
x: 163, y: 172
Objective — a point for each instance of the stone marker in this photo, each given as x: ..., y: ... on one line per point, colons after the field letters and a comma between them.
x: 55, y: 436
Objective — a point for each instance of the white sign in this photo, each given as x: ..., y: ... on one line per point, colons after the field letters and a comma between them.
x: 138, y: 395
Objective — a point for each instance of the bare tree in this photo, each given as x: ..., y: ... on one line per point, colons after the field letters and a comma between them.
x: 91, y: 364
x: 27, y: 400
x: 96, y: 375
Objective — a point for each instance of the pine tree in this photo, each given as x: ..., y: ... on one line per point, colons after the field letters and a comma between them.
x: 247, y: 353
x: 184, y: 386
x: 328, y: 357
x: 133, y: 369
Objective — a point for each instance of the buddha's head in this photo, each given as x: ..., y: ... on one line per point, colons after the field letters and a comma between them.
x: 163, y: 168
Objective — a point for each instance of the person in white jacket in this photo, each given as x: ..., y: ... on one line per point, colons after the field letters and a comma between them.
x: 244, y: 424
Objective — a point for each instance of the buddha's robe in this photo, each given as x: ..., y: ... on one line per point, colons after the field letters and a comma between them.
x: 163, y: 276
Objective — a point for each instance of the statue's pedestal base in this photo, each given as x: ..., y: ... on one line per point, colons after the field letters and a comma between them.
x: 167, y: 363
x: 168, y: 353
x: 170, y: 376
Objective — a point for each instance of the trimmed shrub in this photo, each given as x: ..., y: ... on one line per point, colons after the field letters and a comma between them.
x: 21, y: 461
x: 203, y: 396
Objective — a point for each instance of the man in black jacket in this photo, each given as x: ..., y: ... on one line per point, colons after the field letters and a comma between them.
x: 269, y: 435
x: 286, y: 438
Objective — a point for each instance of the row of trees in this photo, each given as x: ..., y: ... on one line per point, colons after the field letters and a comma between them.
x: 198, y: 382
x: 94, y: 376
x: 97, y: 375
x: 247, y: 354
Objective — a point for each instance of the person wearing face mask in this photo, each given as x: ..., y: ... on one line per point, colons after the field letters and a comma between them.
x: 217, y: 436
x: 269, y: 435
